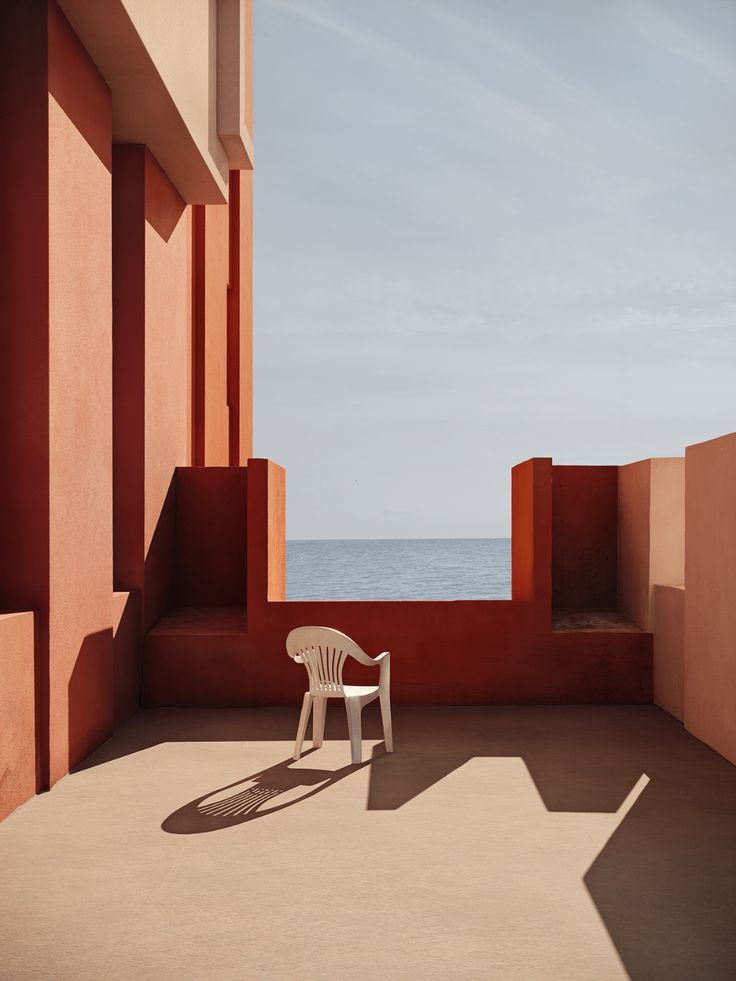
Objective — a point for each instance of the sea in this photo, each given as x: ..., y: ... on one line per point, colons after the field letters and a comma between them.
x: 399, y: 569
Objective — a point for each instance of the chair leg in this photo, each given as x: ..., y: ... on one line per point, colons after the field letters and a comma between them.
x: 318, y: 721
x: 354, y: 709
x: 303, y: 719
x: 388, y: 733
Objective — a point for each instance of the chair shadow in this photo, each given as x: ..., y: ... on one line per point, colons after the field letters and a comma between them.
x: 259, y: 795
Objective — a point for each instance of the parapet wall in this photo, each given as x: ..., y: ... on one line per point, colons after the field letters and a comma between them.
x: 453, y: 652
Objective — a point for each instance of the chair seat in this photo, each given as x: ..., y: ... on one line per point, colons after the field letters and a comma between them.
x: 360, y: 691
x: 350, y: 691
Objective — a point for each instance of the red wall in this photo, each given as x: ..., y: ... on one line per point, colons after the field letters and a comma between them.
x: 24, y: 402
x: 56, y: 314
x: 152, y: 394
x: 461, y: 652
x: 210, y: 536
x: 584, y: 538
x: 126, y: 638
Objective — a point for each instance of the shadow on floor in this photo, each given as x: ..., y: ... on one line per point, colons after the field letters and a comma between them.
x: 258, y: 795
x: 664, y: 883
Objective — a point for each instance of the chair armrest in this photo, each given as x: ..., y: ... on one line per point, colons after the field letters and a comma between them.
x: 384, y: 663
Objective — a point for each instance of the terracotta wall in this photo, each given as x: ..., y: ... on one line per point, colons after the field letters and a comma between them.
x: 444, y: 652
x: 126, y: 638
x: 222, y: 345
x: 18, y: 763
x: 97, y: 409
x: 167, y: 376
x: 710, y: 594
x: 584, y: 519
x: 211, y: 256
x: 210, y: 536
x: 667, y: 562
x: 669, y: 649
x: 245, y: 266
x: 24, y: 403
x: 531, y: 538
x: 266, y: 538
x: 80, y: 402
x: 56, y: 552
x: 152, y: 381
x: 651, y: 533
x: 240, y: 319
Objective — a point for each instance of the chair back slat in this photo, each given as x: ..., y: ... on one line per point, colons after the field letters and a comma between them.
x: 323, y: 651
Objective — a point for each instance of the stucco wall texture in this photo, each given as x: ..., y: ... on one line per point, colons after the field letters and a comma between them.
x: 709, y: 680
x: 96, y: 394
x: 584, y: 522
x: 80, y: 445
x: 669, y: 649
x: 651, y: 533
x: 18, y: 763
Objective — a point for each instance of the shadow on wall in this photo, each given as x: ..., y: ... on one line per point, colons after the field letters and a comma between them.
x: 159, y: 575
x: 90, y: 696
x: 665, y: 882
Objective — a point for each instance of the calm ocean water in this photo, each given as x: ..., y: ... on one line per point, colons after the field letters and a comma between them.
x: 399, y: 569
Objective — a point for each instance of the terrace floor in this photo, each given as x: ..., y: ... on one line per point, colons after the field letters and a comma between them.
x: 547, y: 843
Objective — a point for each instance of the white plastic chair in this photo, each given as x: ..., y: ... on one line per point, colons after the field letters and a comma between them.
x: 323, y: 652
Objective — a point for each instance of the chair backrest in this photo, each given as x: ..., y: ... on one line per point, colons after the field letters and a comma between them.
x: 323, y: 652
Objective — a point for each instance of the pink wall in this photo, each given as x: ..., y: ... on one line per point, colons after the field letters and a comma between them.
x: 80, y: 402
x: 17, y: 710
x: 669, y: 651
x: 212, y: 337
x: 216, y: 416
x: 24, y: 403
x: 240, y: 319
x: 710, y: 595
x: 651, y: 533
x: 245, y: 434
x: 651, y: 540
x: 667, y: 563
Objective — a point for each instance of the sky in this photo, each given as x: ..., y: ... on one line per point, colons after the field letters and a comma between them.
x: 485, y: 231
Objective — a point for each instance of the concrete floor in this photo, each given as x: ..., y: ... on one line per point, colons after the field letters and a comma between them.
x: 553, y: 843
